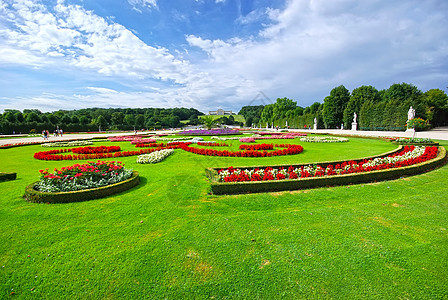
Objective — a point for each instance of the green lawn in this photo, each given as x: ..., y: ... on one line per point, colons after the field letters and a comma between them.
x: 238, y: 118
x: 168, y: 238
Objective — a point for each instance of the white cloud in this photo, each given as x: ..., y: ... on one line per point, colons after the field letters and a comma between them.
x: 308, y: 48
x: 86, y: 41
x: 314, y: 46
x: 137, y: 4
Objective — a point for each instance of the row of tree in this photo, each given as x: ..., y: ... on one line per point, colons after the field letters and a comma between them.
x: 376, y: 110
x: 94, y: 119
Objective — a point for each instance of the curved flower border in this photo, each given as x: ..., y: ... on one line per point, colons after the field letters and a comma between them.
x: 410, y: 155
x: 290, y: 149
x: 323, y: 139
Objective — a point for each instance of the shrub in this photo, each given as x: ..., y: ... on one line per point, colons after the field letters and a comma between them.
x: 7, y: 176
x: 418, y: 124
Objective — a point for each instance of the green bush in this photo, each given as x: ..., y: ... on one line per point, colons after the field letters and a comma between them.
x: 221, y: 188
x: 418, y: 124
x: 33, y: 195
x: 7, y: 176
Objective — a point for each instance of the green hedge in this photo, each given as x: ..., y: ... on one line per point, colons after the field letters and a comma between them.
x: 33, y: 195
x: 221, y: 188
x: 7, y: 176
x: 415, y: 144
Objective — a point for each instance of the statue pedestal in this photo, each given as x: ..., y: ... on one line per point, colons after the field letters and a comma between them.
x: 354, y: 126
x: 315, y: 126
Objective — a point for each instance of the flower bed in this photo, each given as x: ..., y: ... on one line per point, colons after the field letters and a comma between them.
x: 408, y: 156
x: 247, y: 140
x: 401, y: 162
x: 91, y: 150
x: 212, y: 144
x: 142, y: 141
x: 289, y: 150
x: 56, y: 154
x: 81, y: 177
x: 172, y: 145
x: 7, y: 146
x: 126, y: 138
x: 68, y: 144
x: 32, y: 195
x: 154, y: 157
x: 323, y: 139
x: 210, y: 132
x: 257, y: 147
x: 224, y: 138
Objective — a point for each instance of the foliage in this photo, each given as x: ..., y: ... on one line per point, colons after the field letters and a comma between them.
x: 7, y: 176
x: 209, y: 121
x: 358, y: 97
x: 413, y: 141
x: 418, y: 124
x: 252, y: 114
x: 90, y: 119
x: 436, y: 107
x: 334, y: 106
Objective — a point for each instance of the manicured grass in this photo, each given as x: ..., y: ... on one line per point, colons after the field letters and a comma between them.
x: 168, y: 238
x: 237, y: 118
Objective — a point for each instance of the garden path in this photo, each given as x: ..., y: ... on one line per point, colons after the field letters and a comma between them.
x: 440, y: 133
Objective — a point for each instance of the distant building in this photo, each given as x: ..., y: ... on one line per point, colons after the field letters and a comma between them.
x: 220, y: 112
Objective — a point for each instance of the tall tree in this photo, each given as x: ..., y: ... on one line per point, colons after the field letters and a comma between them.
x: 117, y: 119
x: 334, y: 106
x: 357, y: 99
x: 436, y: 102
x: 282, y: 106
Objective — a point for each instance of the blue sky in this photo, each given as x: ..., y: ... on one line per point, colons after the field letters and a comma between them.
x: 209, y: 54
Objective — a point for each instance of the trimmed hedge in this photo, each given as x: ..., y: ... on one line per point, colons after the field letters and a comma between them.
x: 33, y: 195
x: 415, y: 144
x: 221, y: 188
x: 7, y: 176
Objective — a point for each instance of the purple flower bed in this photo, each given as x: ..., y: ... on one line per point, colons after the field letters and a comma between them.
x: 210, y: 132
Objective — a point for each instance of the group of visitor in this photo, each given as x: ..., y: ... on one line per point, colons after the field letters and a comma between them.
x: 46, y: 133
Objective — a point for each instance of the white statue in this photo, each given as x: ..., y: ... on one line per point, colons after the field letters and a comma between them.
x: 411, y: 113
x: 355, y: 116
x: 315, y: 120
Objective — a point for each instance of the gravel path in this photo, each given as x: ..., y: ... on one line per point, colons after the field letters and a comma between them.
x: 440, y: 133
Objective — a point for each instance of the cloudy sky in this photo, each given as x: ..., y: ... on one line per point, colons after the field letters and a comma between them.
x: 209, y: 54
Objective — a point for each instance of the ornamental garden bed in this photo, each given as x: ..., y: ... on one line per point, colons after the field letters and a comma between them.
x: 210, y: 132
x: 81, y: 182
x: 4, y: 176
x: 271, y: 184
x: 414, y: 141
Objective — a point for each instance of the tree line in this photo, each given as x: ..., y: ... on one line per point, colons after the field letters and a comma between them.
x: 376, y: 110
x: 95, y: 119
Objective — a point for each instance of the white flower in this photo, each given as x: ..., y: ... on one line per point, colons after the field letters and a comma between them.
x: 323, y: 139
x: 154, y: 157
